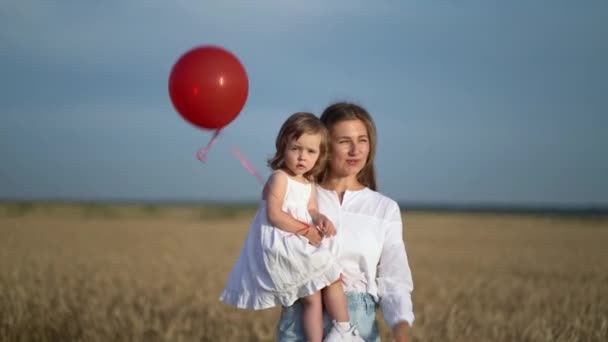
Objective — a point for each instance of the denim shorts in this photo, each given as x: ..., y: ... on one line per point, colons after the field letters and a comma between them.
x: 361, y: 311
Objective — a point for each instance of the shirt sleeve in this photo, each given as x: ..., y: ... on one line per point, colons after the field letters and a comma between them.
x: 394, y: 276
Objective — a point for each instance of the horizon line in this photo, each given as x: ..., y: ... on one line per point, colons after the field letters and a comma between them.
x: 471, y: 206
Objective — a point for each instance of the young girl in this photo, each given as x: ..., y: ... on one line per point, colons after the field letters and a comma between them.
x: 282, y: 259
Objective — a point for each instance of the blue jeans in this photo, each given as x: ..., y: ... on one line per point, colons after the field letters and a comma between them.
x: 361, y: 311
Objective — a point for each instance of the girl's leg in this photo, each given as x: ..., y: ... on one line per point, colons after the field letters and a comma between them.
x: 335, y: 302
x: 312, y: 317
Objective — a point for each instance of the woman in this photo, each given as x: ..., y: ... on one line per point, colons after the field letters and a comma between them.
x: 376, y: 270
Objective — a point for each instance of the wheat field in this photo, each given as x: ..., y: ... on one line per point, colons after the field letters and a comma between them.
x: 153, y: 273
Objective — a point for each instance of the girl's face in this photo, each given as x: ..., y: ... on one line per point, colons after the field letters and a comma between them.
x: 349, y: 146
x: 302, y: 154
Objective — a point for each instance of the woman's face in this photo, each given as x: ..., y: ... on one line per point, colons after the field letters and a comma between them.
x: 349, y: 146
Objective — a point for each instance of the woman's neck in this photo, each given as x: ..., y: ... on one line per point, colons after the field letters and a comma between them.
x: 342, y: 184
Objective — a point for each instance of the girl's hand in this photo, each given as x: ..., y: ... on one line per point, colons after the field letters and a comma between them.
x: 314, y: 236
x: 325, y: 225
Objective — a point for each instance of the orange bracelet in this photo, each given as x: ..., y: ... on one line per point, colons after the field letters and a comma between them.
x: 305, y: 230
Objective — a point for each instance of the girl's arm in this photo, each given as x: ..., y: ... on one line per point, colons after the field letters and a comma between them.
x: 274, y: 194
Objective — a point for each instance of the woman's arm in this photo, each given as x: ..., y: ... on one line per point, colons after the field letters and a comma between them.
x: 274, y: 193
x: 394, y: 278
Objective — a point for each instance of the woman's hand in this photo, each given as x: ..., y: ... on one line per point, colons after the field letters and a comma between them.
x: 401, y: 332
x: 325, y: 225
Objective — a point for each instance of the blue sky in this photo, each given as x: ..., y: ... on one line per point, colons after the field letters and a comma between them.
x: 484, y: 102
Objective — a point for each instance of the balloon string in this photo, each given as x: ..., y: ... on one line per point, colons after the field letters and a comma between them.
x: 246, y: 164
x: 202, y: 156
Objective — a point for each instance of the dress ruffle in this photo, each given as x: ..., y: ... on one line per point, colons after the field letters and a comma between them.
x: 260, y: 299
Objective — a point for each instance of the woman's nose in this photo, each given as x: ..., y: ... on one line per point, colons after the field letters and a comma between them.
x: 353, y: 149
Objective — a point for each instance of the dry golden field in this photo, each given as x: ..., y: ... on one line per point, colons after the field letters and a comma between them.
x: 147, y: 273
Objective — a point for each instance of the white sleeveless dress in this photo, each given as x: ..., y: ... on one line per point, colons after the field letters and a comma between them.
x: 276, y: 267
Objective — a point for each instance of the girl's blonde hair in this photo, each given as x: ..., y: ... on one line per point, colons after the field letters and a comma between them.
x: 342, y: 111
x: 293, y: 128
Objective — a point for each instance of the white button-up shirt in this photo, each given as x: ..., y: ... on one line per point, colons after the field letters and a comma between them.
x: 372, y: 250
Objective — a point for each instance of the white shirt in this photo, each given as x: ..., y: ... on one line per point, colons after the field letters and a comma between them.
x: 372, y: 250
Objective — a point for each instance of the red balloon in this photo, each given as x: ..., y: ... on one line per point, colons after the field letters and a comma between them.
x: 208, y: 86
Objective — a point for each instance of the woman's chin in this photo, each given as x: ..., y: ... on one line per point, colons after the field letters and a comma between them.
x: 347, y: 172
